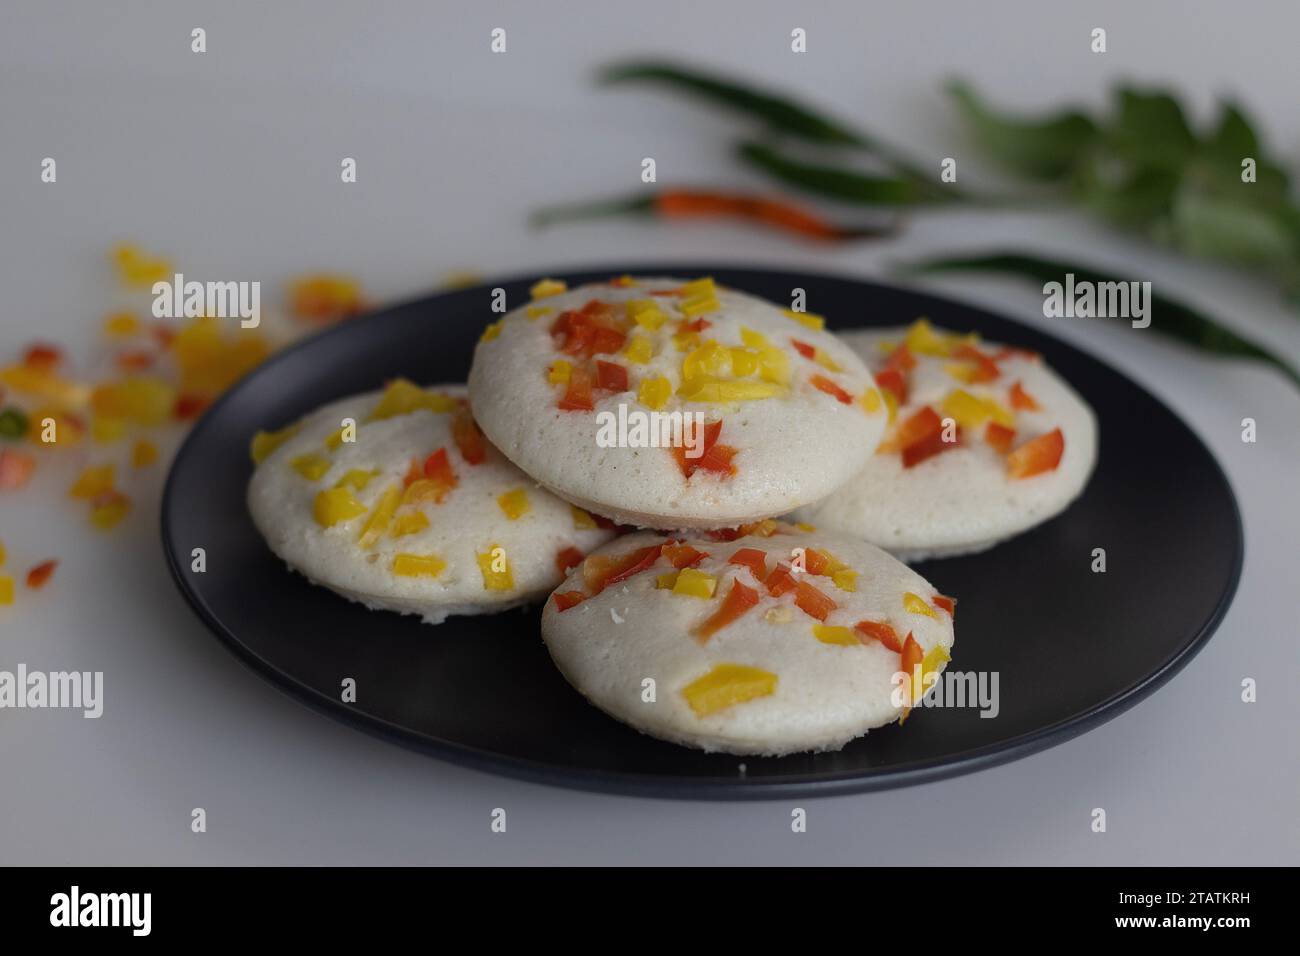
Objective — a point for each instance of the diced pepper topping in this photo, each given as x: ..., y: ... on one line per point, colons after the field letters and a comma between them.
x: 599, y: 571
x: 409, y: 523
x: 141, y: 400
x: 514, y: 503
x: 683, y: 555
x: 699, y: 298
x: 639, y: 350
x: 402, y: 396
x: 728, y: 390
x: 982, y: 367
x: 108, y: 509
x: 547, y: 287
x: 816, y: 355
x: 93, y: 482
x: 567, y: 559
x: 577, y: 396
x: 945, y: 603
x: 6, y: 589
x: 121, y: 325
x: 665, y: 581
x: 911, y: 659
x: 2, y: 553
x: 969, y: 411
x: 924, y: 340
x: 39, y: 575
x: 418, y: 565
x: 807, y: 319
x: 751, y: 558
x: 105, y: 430
x: 928, y: 447
x: 537, y: 311
x: 999, y: 436
x: 727, y: 685
x: 567, y: 599
x: 136, y: 360
x: 334, y: 505
x: 437, y: 469
x: 882, y: 632
x: 915, y: 604
x: 381, y: 515
x: 738, y: 600
x: 705, y: 441
x: 829, y: 634
x: 581, y: 520
x: 646, y: 313
x: 1037, y: 455
x: 355, y: 478
x: 491, y: 331
x: 1022, y: 400
x: 469, y: 440
x: 42, y: 384
x: 15, y: 469
x: 559, y: 371
x: 891, y: 380
x: 824, y: 384
x: 495, y: 569
x: 695, y: 583
x: 311, y: 467
x: 587, y: 332
x: 264, y: 443
x: 917, y: 427
x: 324, y: 297
x: 143, y: 453
x: 870, y: 401
x: 812, y: 601
x: 611, y: 376
x: 654, y: 392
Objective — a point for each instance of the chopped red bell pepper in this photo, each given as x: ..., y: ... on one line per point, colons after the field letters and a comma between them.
x: 753, y: 559
x: 413, y: 473
x: 999, y: 436
x: 824, y: 384
x: 1022, y: 400
x: 567, y: 599
x: 135, y: 361
x: 189, y: 405
x: 683, y: 555
x: 804, y: 349
x: 739, y: 599
x: 892, y: 381
x: 718, y: 460
x: 781, y: 579
x: 986, y: 368
x: 1037, y: 455
x: 1013, y: 352
x: 577, y: 396
x: 600, y: 571
x: 567, y: 559
x: 928, y: 447
x: 945, y: 603
x: 695, y: 325
x: 816, y: 562
x: 707, y: 441
x: 38, y: 575
x: 922, y: 426
x: 611, y: 376
x: 882, y: 632
x: 437, y: 468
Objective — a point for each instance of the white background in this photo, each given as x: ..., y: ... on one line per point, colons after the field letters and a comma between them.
x: 228, y: 162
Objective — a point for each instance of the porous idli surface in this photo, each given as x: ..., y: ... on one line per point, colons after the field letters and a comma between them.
x: 794, y: 412
x: 657, y: 648
x: 418, y: 514
x: 966, y: 498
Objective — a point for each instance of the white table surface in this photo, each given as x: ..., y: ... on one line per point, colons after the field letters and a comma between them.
x: 228, y: 162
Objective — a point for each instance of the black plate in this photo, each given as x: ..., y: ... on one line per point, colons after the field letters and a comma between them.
x: 1072, y: 648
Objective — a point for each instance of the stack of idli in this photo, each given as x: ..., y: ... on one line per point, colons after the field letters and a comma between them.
x: 624, y: 451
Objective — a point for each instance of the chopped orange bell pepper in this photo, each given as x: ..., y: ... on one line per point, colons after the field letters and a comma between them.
x: 945, y: 603
x: 1022, y: 400
x: 567, y: 559
x: 753, y: 559
x: 739, y: 599
x: 577, y: 394
x: 683, y: 555
x: 1037, y: 455
x: 882, y: 632
x: 901, y: 360
x: 15, y: 468
x: 911, y: 659
x: 468, y: 438
x: 38, y: 575
x: 812, y: 601
x: 986, y: 369
x: 999, y: 436
x: 600, y: 571
x: 567, y: 599
x: 892, y: 381
x: 437, y: 468
x: 824, y: 384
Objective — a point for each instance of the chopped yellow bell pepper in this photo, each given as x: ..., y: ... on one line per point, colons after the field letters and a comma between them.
x: 495, y: 569
x: 334, y: 505
x: 547, y: 287
x: 695, y: 583
x: 266, y: 442
x: 829, y: 634
x: 514, y: 503
x: 311, y: 467
x: 654, y: 392
x: 418, y: 565
x: 915, y: 604
x: 727, y: 685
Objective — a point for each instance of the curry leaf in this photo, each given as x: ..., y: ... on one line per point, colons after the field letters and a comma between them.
x: 835, y: 182
x: 1149, y: 129
x: 1041, y: 149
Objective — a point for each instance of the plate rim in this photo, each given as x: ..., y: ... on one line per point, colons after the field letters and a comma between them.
x: 701, y: 788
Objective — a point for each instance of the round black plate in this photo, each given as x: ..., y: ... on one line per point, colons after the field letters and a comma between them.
x: 1072, y: 648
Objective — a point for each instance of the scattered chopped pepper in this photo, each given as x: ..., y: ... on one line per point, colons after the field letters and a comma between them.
x: 581, y: 520
x: 93, y: 482
x: 611, y: 376
x: 694, y: 583
x: 567, y: 599
x: 469, y: 440
x: 418, y: 565
x: 40, y: 574
x: 409, y: 523
x: 599, y: 571
x: 654, y: 392
x: 915, y: 604
x: 882, y: 632
x: 6, y: 589
x: 683, y: 555
x: 891, y: 381
x: 999, y: 436
x: 334, y: 505
x: 911, y: 659
x: 437, y: 470
x: 568, y: 559
x: 108, y: 509
x: 829, y: 634
x: 121, y: 325
x: 739, y: 599
x: 264, y: 443
x: 945, y: 603
x: 727, y: 685
x: 514, y: 504
x: 324, y: 297
x: 401, y: 397
x: 578, y: 395
x: 311, y: 467
x: 376, y: 525
x: 547, y: 287
x: 15, y: 469
x: 356, y: 479
x: 806, y: 319
x: 824, y: 384
x: 751, y: 558
x: 1037, y: 455
x: 1022, y: 400
x: 495, y: 579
